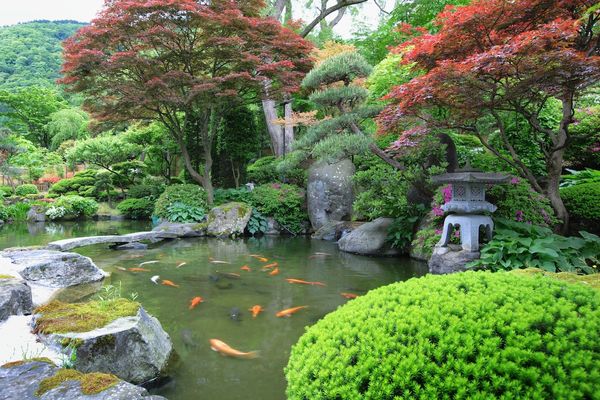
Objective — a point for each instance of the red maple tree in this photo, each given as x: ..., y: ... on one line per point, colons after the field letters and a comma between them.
x: 181, y: 62
x: 495, y: 58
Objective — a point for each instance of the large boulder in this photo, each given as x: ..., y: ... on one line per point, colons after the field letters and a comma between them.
x: 369, y: 239
x: 135, y: 348
x: 184, y: 230
x: 329, y: 192
x: 40, y: 380
x: 334, y: 230
x: 15, y: 298
x: 54, y: 269
x: 228, y: 219
x: 447, y: 260
x: 36, y: 214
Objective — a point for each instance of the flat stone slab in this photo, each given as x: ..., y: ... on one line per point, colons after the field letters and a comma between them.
x: 69, y: 244
x: 20, y: 382
x: 15, y: 298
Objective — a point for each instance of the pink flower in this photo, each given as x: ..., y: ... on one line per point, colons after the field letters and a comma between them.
x: 519, y: 216
x: 437, y: 211
x: 447, y: 192
x: 456, y: 234
x: 438, y: 231
x: 515, y: 181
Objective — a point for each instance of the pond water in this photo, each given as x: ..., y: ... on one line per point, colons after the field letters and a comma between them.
x: 202, y: 373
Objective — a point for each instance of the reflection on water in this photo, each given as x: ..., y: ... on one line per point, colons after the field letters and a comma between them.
x: 202, y: 373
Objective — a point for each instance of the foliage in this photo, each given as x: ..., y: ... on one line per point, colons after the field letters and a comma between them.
x: 486, y: 43
x: 142, y: 191
x: 6, y: 190
x: 241, y: 195
x: 24, y: 190
x: 23, y: 157
x: 18, y: 211
x: 198, y: 57
x: 186, y: 195
x: 584, y: 147
x: 72, y: 207
x: 519, y: 202
x: 285, y: 203
x: 583, y: 201
x: 31, y: 53
x: 516, y: 245
x: 401, y: 231
x: 179, y: 212
x: 4, y: 213
x: 331, y: 48
x: 468, y: 335
x: 136, y: 208
x: 82, y: 184
x: 580, y: 177
x: 67, y: 124
x: 264, y: 170
x: 592, y: 280
x: 28, y: 112
x: 388, y: 73
x: 257, y: 224
x: 425, y: 240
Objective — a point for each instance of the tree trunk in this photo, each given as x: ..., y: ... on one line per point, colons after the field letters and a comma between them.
x: 275, y: 131
x: 207, y: 179
x: 552, y: 189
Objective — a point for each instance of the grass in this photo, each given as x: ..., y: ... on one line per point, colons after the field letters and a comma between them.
x: 92, y: 383
x: 58, y: 317
x: 106, y: 209
x: 591, y: 280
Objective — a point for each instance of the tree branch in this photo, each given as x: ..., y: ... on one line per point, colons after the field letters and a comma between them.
x: 324, y: 13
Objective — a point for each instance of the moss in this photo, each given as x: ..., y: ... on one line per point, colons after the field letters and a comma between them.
x: 90, y: 383
x: 107, y: 341
x: 27, y: 360
x: 6, y: 276
x: 592, y: 280
x: 59, y: 317
x: 200, y: 226
x: 71, y: 342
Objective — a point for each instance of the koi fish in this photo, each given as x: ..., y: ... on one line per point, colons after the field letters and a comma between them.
x: 195, y: 301
x: 270, y: 266
x: 349, y: 295
x: 181, y: 264
x: 230, y: 275
x: 226, y: 350
x: 318, y: 255
x: 274, y: 272
x: 133, y: 256
x: 169, y: 283
x: 300, y: 281
x: 149, y: 262
x: 259, y: 257
x: 155, y: 279
x: 246, y: 268
x: 255, y: 310
x: 122, y: 269
x: 219, y: 262
x: 289, y: 311
x: 139, y: 270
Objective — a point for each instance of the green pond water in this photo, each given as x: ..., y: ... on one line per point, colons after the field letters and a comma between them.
x: 205, y: 374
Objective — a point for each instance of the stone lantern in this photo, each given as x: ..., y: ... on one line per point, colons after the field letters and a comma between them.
x: 468, y: 206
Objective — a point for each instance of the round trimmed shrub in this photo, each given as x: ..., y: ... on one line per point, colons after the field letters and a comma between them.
x: 6, y: 191
x: 187, y: 194
x: 24, y: 190
x: 582, y: 201
x: 136, y: 208
x: 476, y: 335
x: 72, y: 207
x: 264, y: 170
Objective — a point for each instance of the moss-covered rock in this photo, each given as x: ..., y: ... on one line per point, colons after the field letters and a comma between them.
x: 229, y: 219
x: 468, y: 335
x: 92, y: 383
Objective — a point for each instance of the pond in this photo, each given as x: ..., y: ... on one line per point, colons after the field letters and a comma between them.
x: 202, y: 373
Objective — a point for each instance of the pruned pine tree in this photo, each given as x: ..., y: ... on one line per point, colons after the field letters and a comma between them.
x: 335, y: 86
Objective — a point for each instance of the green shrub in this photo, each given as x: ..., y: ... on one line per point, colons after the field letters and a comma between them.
x: 223, y: 196
x: 72, y: 207
x: 283, y: 202
x: 136, y: 208
x: 179, y: 212
x: 187, y: 194
x: 18, y: 211
x: 6, y: 191
x: 24, y: 190
x: 517, y: 245
x: 257, y: 224
x: 264, y: 170
x: 583, y: 201
x: 519, y: 202
x: 400, y: 233
x: 424, y: 241
x: 82, y: 184
x: 579, y: 177
x: 4, y: 213
x: 474, y: 335
x: 151, y: 192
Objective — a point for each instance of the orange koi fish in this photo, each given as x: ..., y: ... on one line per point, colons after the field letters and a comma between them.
x: 274, y: 272
x: 300, y: 281
x: 246, y: 268
x: 259, y: 257
x: 195, y: 301
x: 226, y: 350
x: 349, y: 295
x: 169, y: 283
x: 270, y: 266
x: 139, y: 270
x: 288, y: 312
x: 255, y: 310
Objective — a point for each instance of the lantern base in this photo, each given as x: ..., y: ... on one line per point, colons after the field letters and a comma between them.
x: 469, y: 230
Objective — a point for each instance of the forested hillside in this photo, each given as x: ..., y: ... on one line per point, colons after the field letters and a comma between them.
x: 30, y: 53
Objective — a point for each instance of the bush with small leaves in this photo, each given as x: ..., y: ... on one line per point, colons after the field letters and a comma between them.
x: 476, y: 335
x: 189, y: 195
x: 83, y: 183
x: 6, y: 191
x: 583, y: 201
x: 72, y: 207
x: 24, y: 190
x: 283, y: 202
x: 136, y: 208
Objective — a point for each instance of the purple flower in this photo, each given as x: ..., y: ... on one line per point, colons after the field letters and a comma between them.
x: 515, y: 181
x: 519, y: 216
x: 437, y: 211
x: 457, y: 233
x: 438, y: 231
x: 447, y: 192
